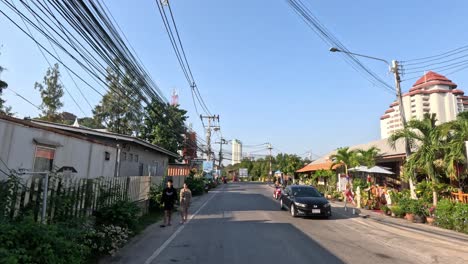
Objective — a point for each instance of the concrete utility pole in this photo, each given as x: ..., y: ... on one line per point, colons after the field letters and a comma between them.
x: 270, y: 148
x: 396, y: 73
x: 221, y: 143
x: 395, y: 70
x: 208, y: 132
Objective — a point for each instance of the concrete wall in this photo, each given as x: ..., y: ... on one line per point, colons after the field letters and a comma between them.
x: 17, y: 149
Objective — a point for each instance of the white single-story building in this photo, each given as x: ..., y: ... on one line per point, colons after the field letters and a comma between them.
x: 28, y: 146
x: 135, y: 157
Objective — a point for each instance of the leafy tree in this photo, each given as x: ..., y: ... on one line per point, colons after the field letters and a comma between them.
x: 3, y: 85
x: 367, y: 157
x: 456, y: 133
x: 427, y: 137
x: 90, y: 122
x: 51, y: 93
x: 120, y: 110
x: 345, y: 157
x: 164, y: 126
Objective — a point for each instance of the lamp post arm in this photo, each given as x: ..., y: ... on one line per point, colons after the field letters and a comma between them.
x: 360, y: 55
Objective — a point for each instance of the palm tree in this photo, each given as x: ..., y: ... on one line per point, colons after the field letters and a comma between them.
x: 456, y: 133
x: 427, y: 138
x: 344, y: 156
x: 367, y: 157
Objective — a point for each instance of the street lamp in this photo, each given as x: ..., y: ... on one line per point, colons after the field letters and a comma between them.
x: 393, y: 68
x: 333, y: 49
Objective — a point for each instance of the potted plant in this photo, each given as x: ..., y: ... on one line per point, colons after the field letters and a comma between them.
x: 397, y: 211
x: 417, y: 210
x: 385, y: 209
x: 405, y: 205
x: 430, y: 213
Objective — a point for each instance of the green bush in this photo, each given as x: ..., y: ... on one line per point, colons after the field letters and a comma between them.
x: 359, y: 182
x: 31, y: 242
x: 195, y: 184
x: 106, y: 239
x: 384, y: 208
x: 416, y: 207
x: 444, y: 214
x: 460, y: 217
x: 405, y: 203
x: 397, y: 210
x: 155, y: 197
x: 397, y: 196
x: 122, y: 213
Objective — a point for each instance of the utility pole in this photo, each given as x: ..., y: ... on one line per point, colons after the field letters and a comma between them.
x: 208, y: 132
x: 221, y: 143
x: 396, y: 73
x: 270, y: 148
x: 395, y: 70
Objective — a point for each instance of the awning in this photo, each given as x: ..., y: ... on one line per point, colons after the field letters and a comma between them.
x: 375, y: 169
x: 319, y: 166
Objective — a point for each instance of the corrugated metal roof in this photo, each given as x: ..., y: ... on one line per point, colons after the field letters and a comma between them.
x: 109, y: 135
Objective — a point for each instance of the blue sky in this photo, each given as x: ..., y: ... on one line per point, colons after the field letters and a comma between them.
x: 258, y: 66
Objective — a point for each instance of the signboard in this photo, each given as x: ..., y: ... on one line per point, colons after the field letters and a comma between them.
x: 243, y: 172
x: 208, y: 166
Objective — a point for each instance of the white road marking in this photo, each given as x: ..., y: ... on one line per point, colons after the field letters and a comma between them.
x: 169, y: 240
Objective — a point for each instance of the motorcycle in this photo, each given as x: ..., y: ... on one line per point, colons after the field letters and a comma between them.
x: 277, y: 193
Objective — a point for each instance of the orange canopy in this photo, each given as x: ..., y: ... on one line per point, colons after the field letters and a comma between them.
x: 319, y: 166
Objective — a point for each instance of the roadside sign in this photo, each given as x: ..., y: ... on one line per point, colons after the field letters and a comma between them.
x: 208, y: 166
x: 243, y: 172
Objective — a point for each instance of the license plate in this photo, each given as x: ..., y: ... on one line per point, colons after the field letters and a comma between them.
x: 316, y: 211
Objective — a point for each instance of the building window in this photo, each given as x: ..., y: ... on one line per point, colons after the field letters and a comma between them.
x: 44, y: 159
x: 130, y: 158
x: 124, y: 155
x: 136, y: 158
x: 107, y: 155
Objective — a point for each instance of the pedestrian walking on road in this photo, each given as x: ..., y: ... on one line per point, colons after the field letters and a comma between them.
x: 169, y: 197
x: 349, y: 196
x: 185, y: 200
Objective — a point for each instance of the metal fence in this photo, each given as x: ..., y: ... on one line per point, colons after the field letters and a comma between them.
x: 68, y: 197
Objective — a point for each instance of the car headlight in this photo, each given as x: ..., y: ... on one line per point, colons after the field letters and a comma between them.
x: 326, y: 205
x: 301, y: 204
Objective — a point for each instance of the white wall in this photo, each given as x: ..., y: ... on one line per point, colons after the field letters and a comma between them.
x: 146, y: 158
x: 17, y: 149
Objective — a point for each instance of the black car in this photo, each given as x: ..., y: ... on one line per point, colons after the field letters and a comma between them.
x: 304, y: 200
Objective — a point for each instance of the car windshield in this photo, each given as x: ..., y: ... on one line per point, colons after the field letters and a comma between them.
x: 306, y: 192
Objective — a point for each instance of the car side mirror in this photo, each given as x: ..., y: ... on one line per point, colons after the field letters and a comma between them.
x: 295, y: 194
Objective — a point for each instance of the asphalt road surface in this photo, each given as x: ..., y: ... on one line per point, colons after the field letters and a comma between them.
x: 242, y: 223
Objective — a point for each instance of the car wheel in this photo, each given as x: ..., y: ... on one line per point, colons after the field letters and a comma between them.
x: 292, y: 209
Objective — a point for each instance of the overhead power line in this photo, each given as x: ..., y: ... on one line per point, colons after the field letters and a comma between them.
x: 176, y: 43
x: 326, y: 36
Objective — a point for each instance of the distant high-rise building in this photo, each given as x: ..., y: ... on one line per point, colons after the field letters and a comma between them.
x: 236, y: 151
x: 175, y: 98
x: 432, y: 93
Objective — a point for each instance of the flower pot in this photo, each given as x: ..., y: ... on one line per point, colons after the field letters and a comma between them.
x: 419, y: 219
x: 409, y: 217
x: 393, y: 214
x: 389, y: 212
x: 430, y: 220
x: 329, y: 196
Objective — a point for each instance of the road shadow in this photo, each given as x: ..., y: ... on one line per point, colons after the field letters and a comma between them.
x: 233, y: 241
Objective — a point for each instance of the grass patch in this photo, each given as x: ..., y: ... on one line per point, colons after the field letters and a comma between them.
x: 147, y: 220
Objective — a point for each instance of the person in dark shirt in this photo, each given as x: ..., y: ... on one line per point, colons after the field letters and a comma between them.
x: 169, y: 196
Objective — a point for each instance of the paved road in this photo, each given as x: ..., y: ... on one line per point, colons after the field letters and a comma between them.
x: 241, y: 223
